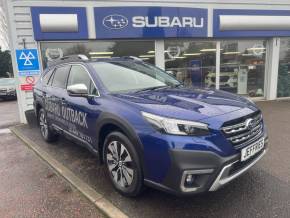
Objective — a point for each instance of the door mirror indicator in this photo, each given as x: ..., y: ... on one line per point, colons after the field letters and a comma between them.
x: 78, y: 90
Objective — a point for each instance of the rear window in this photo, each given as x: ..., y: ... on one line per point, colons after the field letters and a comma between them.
x: 60, y: 77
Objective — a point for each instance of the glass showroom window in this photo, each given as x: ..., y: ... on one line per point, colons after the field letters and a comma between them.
x: 191, y: 62
x: 242, y: 68
x: 284, y: 69
x: 98, y: 49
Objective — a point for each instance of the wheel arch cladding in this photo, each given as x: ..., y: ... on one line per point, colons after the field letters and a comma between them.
x: 108, y: 123
x: 38, y: 106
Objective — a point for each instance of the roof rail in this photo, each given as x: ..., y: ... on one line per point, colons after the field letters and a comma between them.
x: 69, y: 58
x: 133, y: 58
x: 78, y: 57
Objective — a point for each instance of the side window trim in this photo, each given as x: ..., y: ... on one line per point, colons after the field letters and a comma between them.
x: 45, y: 74
x: 49, y: 83
x: 98, y: 93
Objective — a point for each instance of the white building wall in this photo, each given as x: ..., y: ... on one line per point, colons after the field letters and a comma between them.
x: 20, y: 28
x: 4, y: 43
x: 20, y: 23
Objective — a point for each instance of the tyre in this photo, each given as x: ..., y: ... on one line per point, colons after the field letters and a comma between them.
x: 47, y: 133
x: 123, y: 164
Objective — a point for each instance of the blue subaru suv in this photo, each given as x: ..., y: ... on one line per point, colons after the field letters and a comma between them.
x: 146, y: 127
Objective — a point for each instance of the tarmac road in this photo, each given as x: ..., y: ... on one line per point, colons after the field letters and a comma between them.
x: 8, y: 113
x: 28, y: 187
x: 264, y: 191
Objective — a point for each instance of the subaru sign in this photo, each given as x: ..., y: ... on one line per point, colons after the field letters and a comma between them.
x: 150, y: 22
x: 115, y: 21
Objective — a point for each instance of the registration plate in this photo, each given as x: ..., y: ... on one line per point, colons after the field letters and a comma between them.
x: 252, y: 149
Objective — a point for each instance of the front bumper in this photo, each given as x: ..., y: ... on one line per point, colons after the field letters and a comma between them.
x: 210, y: 170
x: 225, y: 175
x: 7, y: 94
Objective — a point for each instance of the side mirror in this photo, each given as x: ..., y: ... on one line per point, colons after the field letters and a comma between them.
x: 78, y: 90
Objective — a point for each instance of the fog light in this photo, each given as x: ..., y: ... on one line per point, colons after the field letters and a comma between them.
x: 189, y: 180
x: 192, y: 180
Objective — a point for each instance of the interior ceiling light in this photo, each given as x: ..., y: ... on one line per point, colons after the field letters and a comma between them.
x: 231, y: 63
x: 101, y: 53
x: 247, y: 54
x: 151, y: 52
x: 258, y: 48
x: 192, y: 54
x: 146, y: 56
x: 209, y: 49
x: 231, y: 52
x: 95, y: 57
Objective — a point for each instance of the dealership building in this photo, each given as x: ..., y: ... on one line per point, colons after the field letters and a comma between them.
x: 241, y: 47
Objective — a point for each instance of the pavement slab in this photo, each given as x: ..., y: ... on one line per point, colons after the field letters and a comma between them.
x: 29, y: 188
x: 8, y: 113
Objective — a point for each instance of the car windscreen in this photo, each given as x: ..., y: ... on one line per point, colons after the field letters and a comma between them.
x: 7, y: 82
x: 126, y: 76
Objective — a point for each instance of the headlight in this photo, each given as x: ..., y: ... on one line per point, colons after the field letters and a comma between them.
x: 176, y: 127
x: 10, y: 89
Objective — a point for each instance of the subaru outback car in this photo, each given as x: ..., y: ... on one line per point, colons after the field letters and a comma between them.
x: 146, y: 127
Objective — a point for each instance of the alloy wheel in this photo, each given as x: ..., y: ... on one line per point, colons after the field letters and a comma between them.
x: 43, y: 125
x: 120, y: 164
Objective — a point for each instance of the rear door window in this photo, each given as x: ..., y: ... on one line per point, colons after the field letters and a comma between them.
x: 60, y: 77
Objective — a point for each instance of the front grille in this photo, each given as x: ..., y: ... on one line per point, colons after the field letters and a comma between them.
x: 3, y: 91
x: 245, y: 130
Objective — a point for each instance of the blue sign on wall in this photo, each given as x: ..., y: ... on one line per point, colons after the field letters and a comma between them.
x: 27, y: 61
x: 150, y: 22
x: 247, y: 33
x: 82, y: 32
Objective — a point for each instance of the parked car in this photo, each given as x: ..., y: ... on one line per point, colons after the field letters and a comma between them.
x: 146, y: 127
x: 227, y: 80
x: 7, y: 88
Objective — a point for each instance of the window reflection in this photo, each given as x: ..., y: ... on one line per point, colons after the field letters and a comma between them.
x: 144, y: 50
x: 243, y: 67
x: 284, y: 69
x: 191, y: 62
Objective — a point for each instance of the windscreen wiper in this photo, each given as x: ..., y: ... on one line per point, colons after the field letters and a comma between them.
x: 177, y: 85
x: 152, y: 88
